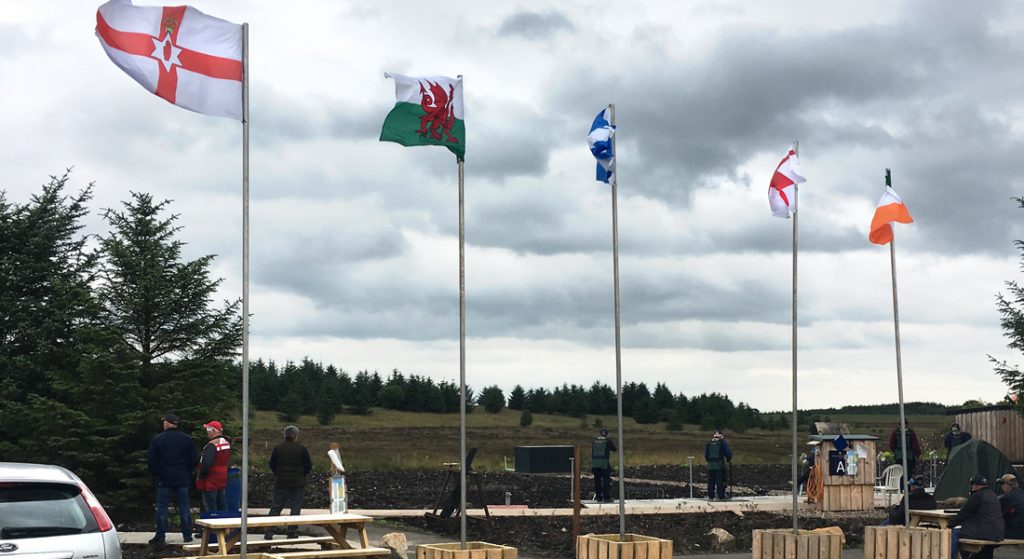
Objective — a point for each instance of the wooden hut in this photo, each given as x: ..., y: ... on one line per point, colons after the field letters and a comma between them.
x: 999, y: 426
x: 842, y: 491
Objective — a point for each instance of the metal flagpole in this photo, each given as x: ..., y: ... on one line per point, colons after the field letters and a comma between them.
x: 462, y: 357
x: 796, y: 212
x: 618, y: 345
x: 245, y: 286
x: 899, y: 367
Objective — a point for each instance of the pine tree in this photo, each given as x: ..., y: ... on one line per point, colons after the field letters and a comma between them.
x: 492, y: 399
x: 525, y: 418
x: 1011, y: 307
x: 517, y: 398
x: 174, y: 347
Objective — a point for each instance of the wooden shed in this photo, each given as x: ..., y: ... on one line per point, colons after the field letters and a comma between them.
x: 999, y: 426
x: 848, y: 492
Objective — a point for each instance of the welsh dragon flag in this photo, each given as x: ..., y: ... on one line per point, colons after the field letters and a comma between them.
x: 428, y: 112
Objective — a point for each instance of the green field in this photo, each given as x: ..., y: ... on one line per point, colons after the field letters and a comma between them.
x: 388, y: 439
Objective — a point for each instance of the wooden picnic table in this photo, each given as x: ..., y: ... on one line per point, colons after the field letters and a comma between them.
x: 941, y: 517
x: 227, y: 531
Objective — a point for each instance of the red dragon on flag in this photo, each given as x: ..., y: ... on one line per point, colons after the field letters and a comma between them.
x: 440, y: 115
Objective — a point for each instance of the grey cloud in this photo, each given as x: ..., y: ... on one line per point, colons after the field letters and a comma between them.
x: 532, y: 25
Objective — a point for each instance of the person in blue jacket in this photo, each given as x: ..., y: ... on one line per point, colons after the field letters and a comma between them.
x: 717, y: 453
x: 172, y: 457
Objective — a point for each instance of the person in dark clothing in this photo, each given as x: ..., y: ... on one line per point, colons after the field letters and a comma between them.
x: 1012, y: 504
x: 171, y: 458
x: 807, y: 461
x: 291, y: 464
x: 212, y: 480
x: 954, y: 438
x: 601, y: 450
x: 898, y: 447
x: 717, y: 453
x: 919, y: 500
x: 980, y: 518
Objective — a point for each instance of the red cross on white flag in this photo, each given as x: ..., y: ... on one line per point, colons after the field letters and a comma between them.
x: 177, y: 52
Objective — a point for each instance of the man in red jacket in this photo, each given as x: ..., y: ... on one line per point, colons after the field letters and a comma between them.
x: 213, y: 468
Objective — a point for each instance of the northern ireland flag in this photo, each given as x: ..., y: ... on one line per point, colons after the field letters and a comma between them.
x: 177, y: 52
x: 428, y: 112
x: 782, y: 189
x: 890, y: 208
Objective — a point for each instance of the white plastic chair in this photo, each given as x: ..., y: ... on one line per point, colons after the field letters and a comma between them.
x: 889, y: 482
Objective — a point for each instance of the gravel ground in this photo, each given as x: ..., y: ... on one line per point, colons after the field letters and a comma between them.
x: 552, y: 536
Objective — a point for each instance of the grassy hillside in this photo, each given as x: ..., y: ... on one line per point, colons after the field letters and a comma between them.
x: 388, y: 439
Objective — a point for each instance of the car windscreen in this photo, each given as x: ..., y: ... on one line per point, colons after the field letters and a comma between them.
x: 37, y: 510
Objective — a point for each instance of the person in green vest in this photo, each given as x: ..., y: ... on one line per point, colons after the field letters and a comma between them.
x: 954, y: 438
x: 601, y: 466
x: 717, y: 453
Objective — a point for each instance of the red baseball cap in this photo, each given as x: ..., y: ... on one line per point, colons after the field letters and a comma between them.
x: 214, y: 425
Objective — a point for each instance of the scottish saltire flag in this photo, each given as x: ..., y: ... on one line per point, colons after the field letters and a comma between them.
x: 600, y: 140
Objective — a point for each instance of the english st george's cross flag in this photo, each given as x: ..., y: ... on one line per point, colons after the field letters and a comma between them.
x: 601, y: 145
x: 781, y: 190
x: 890, y: 208
x: 427, y: 112
x: 177, y: 52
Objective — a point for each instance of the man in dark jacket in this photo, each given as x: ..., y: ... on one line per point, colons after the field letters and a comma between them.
x: 912, y: 447
x: 717, y: 453
x: 291, y: 464
x: 919, y: 500
x: 980, y: 518
x: 1012, y: 504
x: 171, y: 458
x: 954, y: 438
x: 601, y: 450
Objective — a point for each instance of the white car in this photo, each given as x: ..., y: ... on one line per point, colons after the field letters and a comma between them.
x: 47, y: 512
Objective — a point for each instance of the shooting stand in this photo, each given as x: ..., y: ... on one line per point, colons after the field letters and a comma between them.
x: 451, y: 494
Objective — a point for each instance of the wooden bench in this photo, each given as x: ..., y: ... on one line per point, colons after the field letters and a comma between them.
x: 326, y: 553
x: 974, y: 546
x: 257, y: 543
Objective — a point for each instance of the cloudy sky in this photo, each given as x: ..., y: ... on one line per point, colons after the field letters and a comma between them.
x: 355, y: 242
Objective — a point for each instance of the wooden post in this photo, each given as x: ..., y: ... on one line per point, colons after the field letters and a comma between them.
x: 334, y: 469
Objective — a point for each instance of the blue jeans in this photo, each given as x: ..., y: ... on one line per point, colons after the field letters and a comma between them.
x: 215, y: 500
x: 163, y: 498
x: 292, y: 498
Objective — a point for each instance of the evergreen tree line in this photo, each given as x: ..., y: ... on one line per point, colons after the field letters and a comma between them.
x: 101, y: 335
x: 309, y: 388
x: 710, y: 411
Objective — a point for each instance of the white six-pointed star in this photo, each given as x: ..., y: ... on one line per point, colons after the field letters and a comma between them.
x: 166, y: 52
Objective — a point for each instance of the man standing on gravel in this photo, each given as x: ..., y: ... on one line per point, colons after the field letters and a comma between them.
x: 717, y: 453
x: 171, y: 458
x: 291, y: 464
x: 600, y: 465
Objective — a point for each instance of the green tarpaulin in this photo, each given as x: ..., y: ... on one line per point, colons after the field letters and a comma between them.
x: 973, y: 457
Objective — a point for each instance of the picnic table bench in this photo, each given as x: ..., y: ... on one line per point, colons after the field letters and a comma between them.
x: 939, y: 517
x: 227, y: 533
x: 974, y: 546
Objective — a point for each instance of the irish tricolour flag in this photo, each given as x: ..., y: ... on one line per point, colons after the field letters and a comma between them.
x: 428, y: 112
x: 890, y: 208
